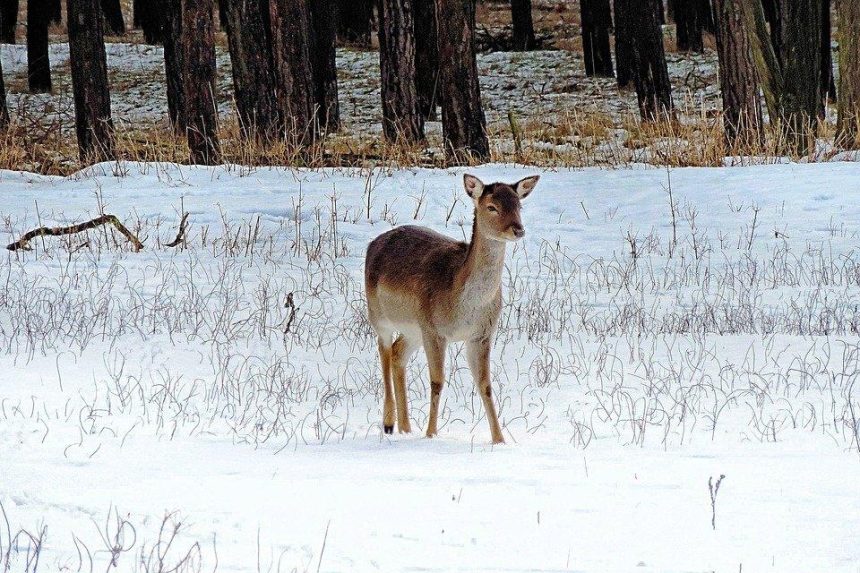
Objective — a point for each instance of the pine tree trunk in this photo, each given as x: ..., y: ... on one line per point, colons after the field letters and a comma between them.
x: 464, y: 127
x: 55, y: 12
x: 171, y: 31
x: 774, y: 22
x: 801, y: 67
x: 113, y: 15
x: 742, y: 117
x: 426, y: 57
x: 596, y: 21
x: 136, y: 11
x: 4, y: 108
x: 828, y: 85
x: 198, y: 55
x: 401, y: 119
x: 661, y: 12
x: 147, y: 14
x: 293, y: 75
x: 848, y: 122
x: 8, y: 21
x: 624, y: 56
x: 688, y: 26
x: 650, y: 74
x: 88, y: 62
x: 706, y: 16
x: 354, y: 18
x: 324, y: 64
x: 523, y: 27
x: 249, y: 38
x: 38, y: 64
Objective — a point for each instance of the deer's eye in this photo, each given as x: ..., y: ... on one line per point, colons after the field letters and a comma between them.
x: 492, y: 209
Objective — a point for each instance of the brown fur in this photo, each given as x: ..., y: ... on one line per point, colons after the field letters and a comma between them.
x: 433, y: 290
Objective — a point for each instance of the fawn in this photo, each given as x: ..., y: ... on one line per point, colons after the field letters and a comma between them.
x: 433, y: 290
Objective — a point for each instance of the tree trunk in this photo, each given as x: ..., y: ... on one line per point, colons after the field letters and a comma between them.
x: 661, y: 12
x: 848, y: 122
x: 828, y: 85
x: 706, y: 16
x: 147, y: 14
x: 624, y: 56
x: 249, y: 38
x: 324, y: 64
x: 464, y: 127
x: 426, y: 57
x: 198, y: 55
x: 354, y: 18
x: 171, y: 32
x: 596, y: 21
x: 55, y: 12
x: 4, y: 108
x: 88, y: 62
x: 293, y: 75
x: 688, y: 26
x: 774, y: 22
x: 113, y: 15
x: 801, y: 97
x: 401, y: 119
x: 523, y: 27
x: 136, y: 11
x: 742, y: 117
x: 650, y: 74
x: 38, y: 64
x: 8, y: 21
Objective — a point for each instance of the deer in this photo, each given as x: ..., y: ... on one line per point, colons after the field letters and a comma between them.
x: 429, y: 290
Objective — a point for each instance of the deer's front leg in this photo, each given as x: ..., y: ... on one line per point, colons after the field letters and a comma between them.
x: 434, y: 347
x: 478, y: 353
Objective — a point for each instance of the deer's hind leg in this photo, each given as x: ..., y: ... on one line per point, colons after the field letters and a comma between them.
x: 403, y: 349
x: 385, y: 351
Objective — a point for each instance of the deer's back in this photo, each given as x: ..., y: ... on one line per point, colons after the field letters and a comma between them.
x: 414, y: 258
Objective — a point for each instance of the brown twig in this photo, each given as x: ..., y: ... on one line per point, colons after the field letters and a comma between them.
x: 180, y: 235
x: 23, y: 242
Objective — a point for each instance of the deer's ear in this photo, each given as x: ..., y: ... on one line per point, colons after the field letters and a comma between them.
x: 473, y: 185
x: 525, y: 186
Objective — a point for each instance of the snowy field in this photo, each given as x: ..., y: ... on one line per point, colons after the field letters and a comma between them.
x: 166, y: 410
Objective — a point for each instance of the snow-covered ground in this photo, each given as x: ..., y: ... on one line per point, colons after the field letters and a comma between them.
x: 660, y: 329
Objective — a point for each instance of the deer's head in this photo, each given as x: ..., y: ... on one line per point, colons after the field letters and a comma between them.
x: 497, y: 206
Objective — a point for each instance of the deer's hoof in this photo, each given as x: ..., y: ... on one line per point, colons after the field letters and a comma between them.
x: 388, y: 429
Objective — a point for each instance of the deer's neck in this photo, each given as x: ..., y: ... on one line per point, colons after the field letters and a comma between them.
x: 481, y: 274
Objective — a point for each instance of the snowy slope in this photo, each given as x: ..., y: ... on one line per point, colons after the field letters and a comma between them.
x: 650, y: 341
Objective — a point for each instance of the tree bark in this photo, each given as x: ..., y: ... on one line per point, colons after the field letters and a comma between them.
x: 464, y: 127
x: 848, y: 106
x: 4, y: 108
x: 171, y: 32
x: 136, y: 10
x: 828, y: 85
x: 401, y: 119
x: 8, y: 21
x: 706, y: 16
x: 523, y: 26
x: 146, y: 13
x: 55, y: 12
x: 113, y: 15
x: 426, y: 57
x: 742, y: 117
x: 650, y: 74
x: 38, y: 64
x: 88, y: 61
x: 624, y: 56
x: 774, y: 22
x: 801, y: 98
x: 596, y: 21
x: 198, y: 55
x: 354, y: 18
x: 688, y: 25
x: 249, y: 38
x: 324, y: 63
x: 293, y: 74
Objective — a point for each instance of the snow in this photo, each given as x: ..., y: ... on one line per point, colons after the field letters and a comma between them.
x: 139, y: 385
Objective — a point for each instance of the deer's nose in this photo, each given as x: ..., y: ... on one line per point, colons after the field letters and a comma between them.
x: 518, y: 230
